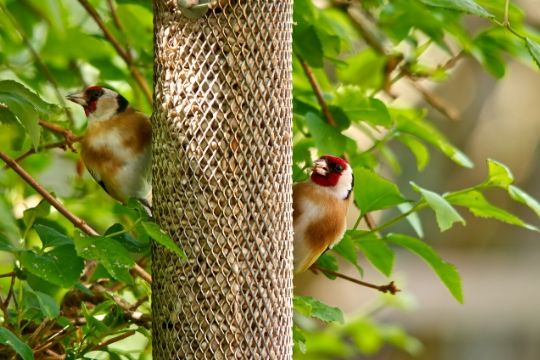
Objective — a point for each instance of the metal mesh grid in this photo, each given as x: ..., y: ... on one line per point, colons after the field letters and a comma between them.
x: 222, y: 181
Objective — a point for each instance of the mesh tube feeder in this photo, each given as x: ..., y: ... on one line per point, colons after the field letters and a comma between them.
x: 222, y: 183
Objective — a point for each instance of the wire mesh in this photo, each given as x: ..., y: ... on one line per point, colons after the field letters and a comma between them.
x: 222, y: 181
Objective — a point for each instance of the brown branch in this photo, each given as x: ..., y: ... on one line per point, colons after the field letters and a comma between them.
x: 124, y: 53
x: 54, y: 338
x: 75, y: 220
x: 114, y: 339
x: 436, y: 102
x: 317, y: 91
x: 66, y: 133
x: 114, y: 16
x: 4, y: 304
x: 390, y: 287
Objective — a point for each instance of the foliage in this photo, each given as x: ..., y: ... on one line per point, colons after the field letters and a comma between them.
x: 347, y: 57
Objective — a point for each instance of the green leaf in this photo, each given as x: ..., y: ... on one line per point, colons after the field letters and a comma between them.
x: 444, y: 212
x: 51, y: 237
x: 373, y: 192
x: 109, y: 253
x: 534, y: 50
x: 376, y: 250
x: 467, y: 6
x: 446, y: 272
x: 299, y: 339
x: 311, y: 307
x: 10, y: 339
x: 308, y: 45
x: 161, y: 237
x: 412, y: 122
x: 413, y: 219
x: 60, y: 266
x: 328, y: 262
x: 476, y: 202
x: 521, y: 196
x: 499, y: 174
x: 327, y: 138
x: 347, y: 249
x: 6, y: 245
x: 26, y: 106
x: 418, y: 149
x: 41, y: 210
x: 46, y: 304
x: 358, y: 107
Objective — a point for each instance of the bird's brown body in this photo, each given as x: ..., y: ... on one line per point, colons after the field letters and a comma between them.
x: 319, y: 219
x: 116, y: 152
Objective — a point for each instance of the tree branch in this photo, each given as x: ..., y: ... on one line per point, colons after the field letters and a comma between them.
x: 390, y: 287
x: 75, y: 220
x: 124, y: 53
x: 114, y: 339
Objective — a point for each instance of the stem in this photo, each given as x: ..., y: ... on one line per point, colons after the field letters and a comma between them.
x: 390, y: 287
x: 317, y: 91
x: 115, y: 339
x: 124, y: 54
x: 506, y: 21
x: 75, y: 220
x: 397, y: 219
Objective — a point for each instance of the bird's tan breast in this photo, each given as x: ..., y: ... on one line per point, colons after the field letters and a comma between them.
x: 320, y: 215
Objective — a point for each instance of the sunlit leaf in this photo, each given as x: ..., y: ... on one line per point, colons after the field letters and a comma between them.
x: 376, y: 251
x: 481, y: 207
x: 51, y: 237
x: 499, y: 174
x: 418, y: 149
x: 347, y: 249
x: 524, y: 198
x: 382, y: 193
x: 534, y: 50
x: 444, y: 212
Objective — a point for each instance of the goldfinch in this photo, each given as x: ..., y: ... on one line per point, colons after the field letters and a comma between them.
x: 116, y: 147
x: 320, y: 206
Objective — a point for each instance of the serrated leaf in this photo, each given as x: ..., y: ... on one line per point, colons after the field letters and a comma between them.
x: 476, y: 202
x: 376, y: 250
x: 499, y: 174
x: 60, y: 266
x: 161, y: 237
x: 373, y: 192
x: 51, y: 237
x: 446, y: 271
x: 109, y: 253
x: 534, y: 50
x: 467, y: 6
x: 521, y: 196
x: 41, y: 106
x: 25, y: 113
x: 444, y: 212
x: 11, y: 340
x: 311, y: 307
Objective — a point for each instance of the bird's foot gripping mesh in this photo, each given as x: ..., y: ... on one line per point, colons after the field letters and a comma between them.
x: 222, y: 181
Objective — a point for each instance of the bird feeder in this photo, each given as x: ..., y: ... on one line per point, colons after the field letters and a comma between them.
x: 222, y: 183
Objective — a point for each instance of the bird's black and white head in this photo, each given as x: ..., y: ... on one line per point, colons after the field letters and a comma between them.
x: 99, y: 103
x: 334, y: 174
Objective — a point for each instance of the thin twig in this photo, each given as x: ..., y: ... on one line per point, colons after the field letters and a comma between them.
x: 66, y: 133
x: 114, y: 16
x: 75, y: 220
x: 114, y: 339
x: 55, y: 145
x: 317, y: 91
x: 436, y: 102
x: 124, y: 53
x: 390, y: 287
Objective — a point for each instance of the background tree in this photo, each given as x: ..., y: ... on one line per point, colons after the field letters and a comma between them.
x: 350, y: 60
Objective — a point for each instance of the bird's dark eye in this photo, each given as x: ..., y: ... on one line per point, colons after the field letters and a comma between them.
x: 338, y: 168
x: 94, y: 93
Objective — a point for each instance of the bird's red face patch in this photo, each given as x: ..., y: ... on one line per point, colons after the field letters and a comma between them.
x: 92, y: 94
x: 329, y: 172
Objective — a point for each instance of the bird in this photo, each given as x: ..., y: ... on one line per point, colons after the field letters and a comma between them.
x: 320, y: 206
x: 116, y: 146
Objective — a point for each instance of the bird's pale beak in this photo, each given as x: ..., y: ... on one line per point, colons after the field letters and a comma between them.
x: 77, y: 98
x: 320, y: 167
